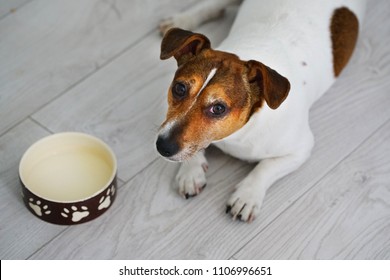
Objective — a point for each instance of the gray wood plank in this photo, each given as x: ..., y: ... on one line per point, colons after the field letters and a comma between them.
x: 125, y: 102
x: 345, y: 216
x: 21, y: 233
x: 51, y: 45
x: 122, y: 104
x: 150, y: 221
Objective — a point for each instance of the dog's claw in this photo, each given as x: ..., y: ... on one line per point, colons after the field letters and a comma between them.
x: 238, y: 216
x: 197, y: 191
x: 228, y: 208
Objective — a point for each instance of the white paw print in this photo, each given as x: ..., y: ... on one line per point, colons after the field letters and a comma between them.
x: 105, y: 200
x: 38, y: 208
x: 75, y: 213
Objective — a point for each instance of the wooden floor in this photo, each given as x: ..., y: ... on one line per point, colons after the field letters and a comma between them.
x: 93, y: 66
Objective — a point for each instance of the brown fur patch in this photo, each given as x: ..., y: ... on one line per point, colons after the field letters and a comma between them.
x: 344, y: 32
x: 182, y: 44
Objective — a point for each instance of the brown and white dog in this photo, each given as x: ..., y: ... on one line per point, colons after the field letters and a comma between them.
x: 251, y: 97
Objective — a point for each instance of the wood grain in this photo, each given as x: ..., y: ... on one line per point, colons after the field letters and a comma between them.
x: 52, y: 45
x: 21, y: 234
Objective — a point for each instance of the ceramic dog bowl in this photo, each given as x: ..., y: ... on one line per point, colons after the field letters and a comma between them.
x: 68, y: 178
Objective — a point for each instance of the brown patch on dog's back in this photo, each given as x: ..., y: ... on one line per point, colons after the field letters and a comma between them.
x: 344, y: 32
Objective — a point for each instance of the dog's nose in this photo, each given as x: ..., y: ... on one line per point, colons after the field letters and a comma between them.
x: 166, y: 147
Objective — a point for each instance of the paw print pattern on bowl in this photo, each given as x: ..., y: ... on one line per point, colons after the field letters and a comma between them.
x: 68, y: 178
x: 105, y: 200
x: 75, y: 214
x: 38, y: 208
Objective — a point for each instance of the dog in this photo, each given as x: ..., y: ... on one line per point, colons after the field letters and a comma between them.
x: 251, y: 96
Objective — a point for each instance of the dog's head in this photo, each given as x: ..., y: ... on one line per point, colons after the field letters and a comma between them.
x: 213, y: 94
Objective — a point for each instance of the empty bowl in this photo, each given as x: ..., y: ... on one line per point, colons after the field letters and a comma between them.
x: 68, y: 178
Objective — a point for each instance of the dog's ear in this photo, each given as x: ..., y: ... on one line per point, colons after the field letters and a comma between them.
x: 182, y: 44
x: 272, y: 86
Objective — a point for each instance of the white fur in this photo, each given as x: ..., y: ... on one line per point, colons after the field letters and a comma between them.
x: 191, y: 176
x: 166, y: 128
x: 293, y: 38
x: 209, y: 77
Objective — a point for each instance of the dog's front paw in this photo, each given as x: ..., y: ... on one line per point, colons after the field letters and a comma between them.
x: 191, y: 179
x: 244, y: 204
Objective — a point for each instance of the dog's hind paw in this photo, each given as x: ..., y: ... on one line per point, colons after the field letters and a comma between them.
x: 191, y: 178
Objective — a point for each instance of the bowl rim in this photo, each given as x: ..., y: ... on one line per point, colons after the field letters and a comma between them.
x: 71, y: 134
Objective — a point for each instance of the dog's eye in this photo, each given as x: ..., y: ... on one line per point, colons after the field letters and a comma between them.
x: 217, y: 110
x: 179, y: 90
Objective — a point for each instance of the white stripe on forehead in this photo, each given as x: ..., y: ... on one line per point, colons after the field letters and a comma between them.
x: 166, y: 129
x: 209, y: 77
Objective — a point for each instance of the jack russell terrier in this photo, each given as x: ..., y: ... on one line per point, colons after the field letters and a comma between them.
x: 251, y: 97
